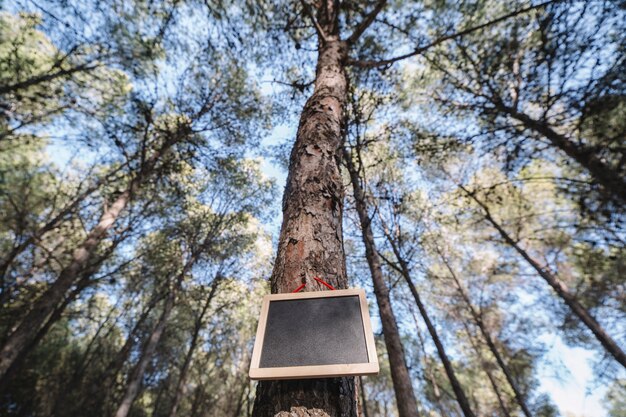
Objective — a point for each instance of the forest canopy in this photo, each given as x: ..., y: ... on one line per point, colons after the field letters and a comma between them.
x: 166, y: 163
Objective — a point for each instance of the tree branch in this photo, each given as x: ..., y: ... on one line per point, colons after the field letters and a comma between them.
x: 366, y: 22
x: 422, y: 49
x: 318, y: 28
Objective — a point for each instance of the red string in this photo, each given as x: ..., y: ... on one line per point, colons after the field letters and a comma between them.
x: 299, y: 288
x: 324, y: 283
x: 321, y: 281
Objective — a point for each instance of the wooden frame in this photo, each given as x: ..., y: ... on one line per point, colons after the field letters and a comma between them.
x: 316, y: 371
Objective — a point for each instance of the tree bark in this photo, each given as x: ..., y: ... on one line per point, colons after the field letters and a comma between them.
x: 519, y: 397
x: 403, y: 269
x: 403, y: 387
x: 107, y: 379
x: 560, y: 288
x: 311, y: 239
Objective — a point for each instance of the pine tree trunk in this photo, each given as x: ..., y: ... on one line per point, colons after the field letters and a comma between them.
x: 115, y: 365
x: 363, y: 398
x: 242, y: 379
x: 519, y: 397
x: 21, y: 338
x: 311, y: 239
x: 484, y: 365
x: 561, y: 289
x: 54, y: 222
x: 459, y: 393
x: 182, y: 379
x: 405, y: 398
x: 134, y: 382
x: 430, y: 375
x: 27, y: 331
x: 443, y: 356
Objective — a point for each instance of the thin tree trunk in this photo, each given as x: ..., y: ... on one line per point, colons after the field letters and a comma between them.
x: 53, y: 222
x: 244, y: 392
x: 54, y: 317
x: 27, y: 330
x: 311, y: 239
x: 134, y: 384
x: 483, y: 365
x: 428, y: 370
x: 560, y: 288
x: 134, y: 381
x: 519, y: 397
x: 198, y: 396
x: 157, y: 402
x: 405, y: 398
x: 244, y: 365
x: 443, y: 356
x: 108, y: 379
x: 31, y: 324
x: 363, y: 399
x: 610, y: 179
x: 182, y: 379
x: 199, y: 393
x: 121, y: 356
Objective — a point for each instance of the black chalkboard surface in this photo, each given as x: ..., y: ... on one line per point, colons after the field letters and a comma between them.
x: 313, y: 335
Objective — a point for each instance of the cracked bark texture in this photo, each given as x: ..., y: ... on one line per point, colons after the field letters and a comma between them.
x: 311, y: 237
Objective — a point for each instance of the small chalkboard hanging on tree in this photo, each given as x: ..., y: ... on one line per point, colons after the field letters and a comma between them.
x: 317, y: 334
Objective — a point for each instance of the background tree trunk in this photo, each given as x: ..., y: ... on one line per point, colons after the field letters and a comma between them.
x: 403, y: 269
x: 134, y: 382
x: 519, y: 397
x: 429, y: 374
x: 182, y: 379
x: 26, y: 332
x: 485, y: 367
x: 561, y: 289
x: 405, y: 398
x: 363, y: 410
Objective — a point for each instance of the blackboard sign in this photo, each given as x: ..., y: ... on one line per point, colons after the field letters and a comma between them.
x: 314, y: 335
